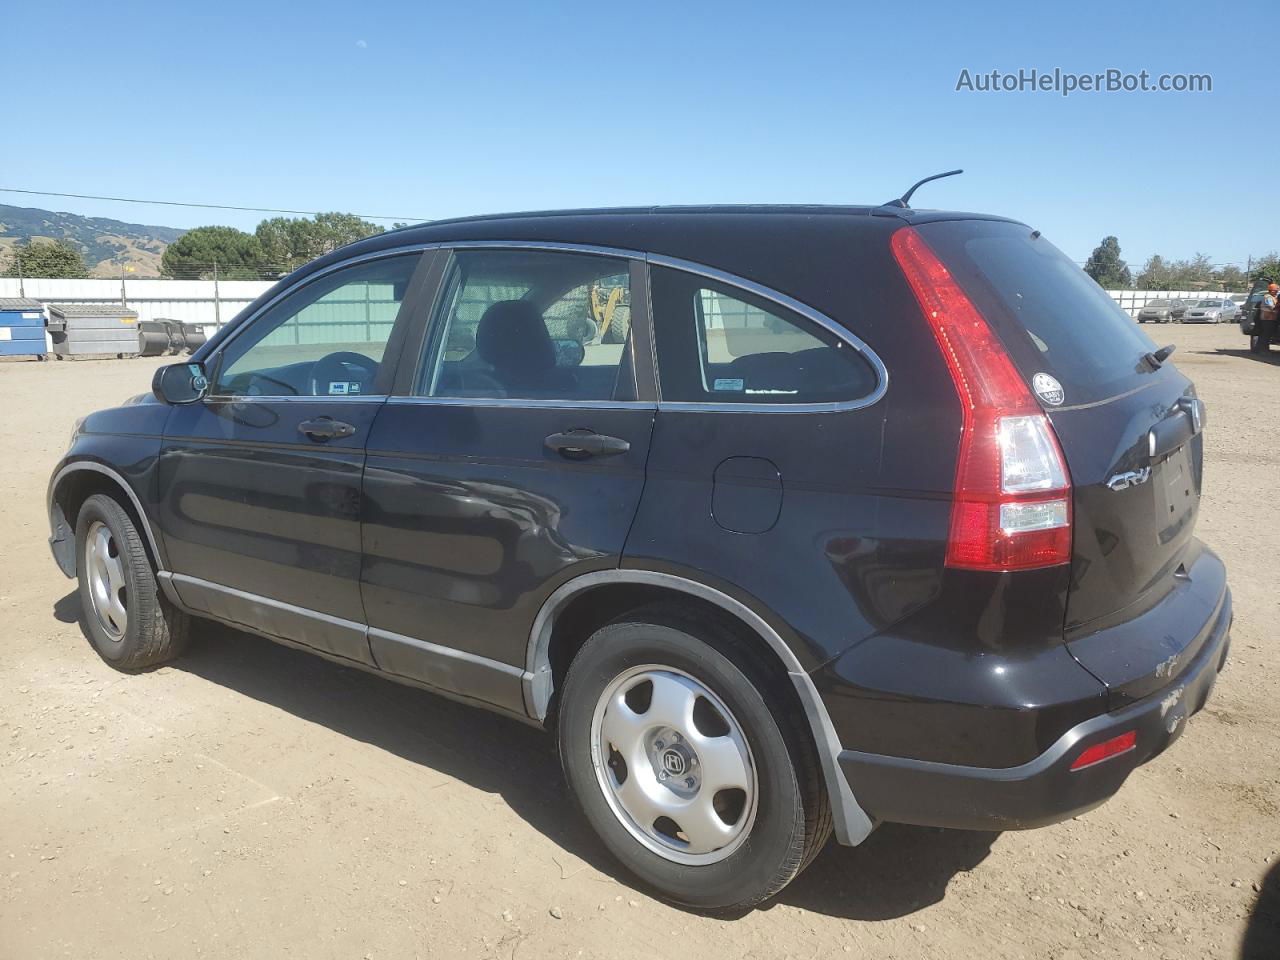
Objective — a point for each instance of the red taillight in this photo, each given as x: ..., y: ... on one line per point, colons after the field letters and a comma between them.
x: 1012, y: 508
x: 1106, y: 750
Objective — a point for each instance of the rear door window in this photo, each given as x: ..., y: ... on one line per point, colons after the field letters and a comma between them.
x: 719, y: 344
x: 531, y: 325
x: 1052, y: 316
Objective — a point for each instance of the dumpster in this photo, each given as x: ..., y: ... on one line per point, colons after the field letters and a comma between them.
x: 162, y: 335
x: 91, y: 330
x: 21, y: 327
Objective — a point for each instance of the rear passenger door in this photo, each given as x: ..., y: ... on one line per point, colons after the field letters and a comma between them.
x: 763, y: 468
x: 510, y: 459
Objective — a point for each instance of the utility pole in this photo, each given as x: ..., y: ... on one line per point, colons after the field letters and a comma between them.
x: 123, y: 300
x: 217, y: 304
x: 22, y: 283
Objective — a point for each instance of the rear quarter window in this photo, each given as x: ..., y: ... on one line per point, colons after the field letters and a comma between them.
x: 1052, y: 316
x: 720, y: 344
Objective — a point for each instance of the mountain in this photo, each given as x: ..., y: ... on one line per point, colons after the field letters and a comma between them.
x: 107, y: 244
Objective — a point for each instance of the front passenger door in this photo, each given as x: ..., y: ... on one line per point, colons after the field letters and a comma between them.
x: 260, y: 482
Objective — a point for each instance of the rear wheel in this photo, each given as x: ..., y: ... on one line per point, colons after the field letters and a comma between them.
x: 128, y: 619
x: 687, y: 762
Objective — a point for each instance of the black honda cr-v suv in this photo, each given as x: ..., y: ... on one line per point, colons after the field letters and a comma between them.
x: 786, y: 519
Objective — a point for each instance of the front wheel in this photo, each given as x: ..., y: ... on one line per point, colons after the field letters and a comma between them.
x: 127, y: 618
x: 688, y: 763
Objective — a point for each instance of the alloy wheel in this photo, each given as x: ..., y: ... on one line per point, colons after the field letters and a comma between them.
x: 107, y: 585
x: 673, y: 765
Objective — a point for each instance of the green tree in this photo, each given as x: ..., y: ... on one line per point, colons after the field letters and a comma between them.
x: 192, y: 256
x: 284, y: 242
x: 1155, y: 274
x: 1266, y: 267
x: 1231, y: 278
x: 1106, y: 267
x: 1193, y: 274
x: 46, y: 258
x: 287, y: 243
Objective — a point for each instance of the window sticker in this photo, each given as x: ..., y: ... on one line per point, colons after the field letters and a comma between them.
x: 729, y: 385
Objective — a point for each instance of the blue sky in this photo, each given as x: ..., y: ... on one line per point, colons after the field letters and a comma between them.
x: 433, y: 110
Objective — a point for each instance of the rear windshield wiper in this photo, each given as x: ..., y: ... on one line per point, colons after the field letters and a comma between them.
x: 1158, y: 358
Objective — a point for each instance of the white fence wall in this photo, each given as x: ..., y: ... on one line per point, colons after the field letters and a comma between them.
x: 191, y: 301
x: 1131, y: 301
x: 206, y: 302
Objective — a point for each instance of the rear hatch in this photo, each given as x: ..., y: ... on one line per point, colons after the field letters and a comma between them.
x: 1129, y: 428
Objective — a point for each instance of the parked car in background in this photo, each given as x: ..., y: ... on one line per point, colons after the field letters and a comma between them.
x: 1251, y: 325
x: 1212, y: 310
x: 856, y: 515
x: 1162, y: 311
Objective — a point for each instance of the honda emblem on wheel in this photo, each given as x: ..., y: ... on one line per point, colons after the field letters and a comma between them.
x: 673, y: 763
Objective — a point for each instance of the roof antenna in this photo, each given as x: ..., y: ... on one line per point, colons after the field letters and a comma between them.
x: 903, y: 201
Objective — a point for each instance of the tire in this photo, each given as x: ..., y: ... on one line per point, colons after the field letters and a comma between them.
x: 751, y: 839
x: 141, y: 628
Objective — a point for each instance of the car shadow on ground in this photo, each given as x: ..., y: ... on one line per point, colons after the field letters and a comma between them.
x: 897, y: 871
x: 67, y: 610
x: 1272, y: 357
x: 1262, y: 935
x: 894, y: 872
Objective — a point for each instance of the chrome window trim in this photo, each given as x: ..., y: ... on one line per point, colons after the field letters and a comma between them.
x: 517, y: 402
x: 300, y: 398
x: 689, y: 266
x: 795, y: 306
x: 549, y: 245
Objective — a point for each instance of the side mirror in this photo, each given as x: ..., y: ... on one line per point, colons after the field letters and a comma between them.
x: 180, y: 383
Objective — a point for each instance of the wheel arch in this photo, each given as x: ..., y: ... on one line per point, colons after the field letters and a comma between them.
x: 70, y: 487
x: 550, y: 646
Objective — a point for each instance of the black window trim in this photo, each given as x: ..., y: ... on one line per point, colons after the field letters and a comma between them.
x: 430, y: 272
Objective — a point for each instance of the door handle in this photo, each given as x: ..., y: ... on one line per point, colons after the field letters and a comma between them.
x: 323, y: 429
x: 582, y: 444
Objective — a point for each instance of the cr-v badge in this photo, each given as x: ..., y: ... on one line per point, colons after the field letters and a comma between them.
x: 1123, y: 481
x: 1048, y: 389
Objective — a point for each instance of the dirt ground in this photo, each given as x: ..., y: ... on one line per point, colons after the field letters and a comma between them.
x: 254, y: 801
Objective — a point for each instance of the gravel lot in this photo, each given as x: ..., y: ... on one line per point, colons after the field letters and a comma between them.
x: 254, y: 801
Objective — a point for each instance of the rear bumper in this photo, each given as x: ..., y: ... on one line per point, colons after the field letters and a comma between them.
x: 1045, y: 789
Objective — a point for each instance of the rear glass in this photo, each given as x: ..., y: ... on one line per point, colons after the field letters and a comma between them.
x: 1053, y: 317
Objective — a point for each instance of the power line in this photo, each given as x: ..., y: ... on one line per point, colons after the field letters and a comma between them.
x: 206, y: 206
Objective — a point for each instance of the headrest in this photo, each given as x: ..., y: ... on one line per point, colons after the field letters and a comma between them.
x: 513, y: 339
